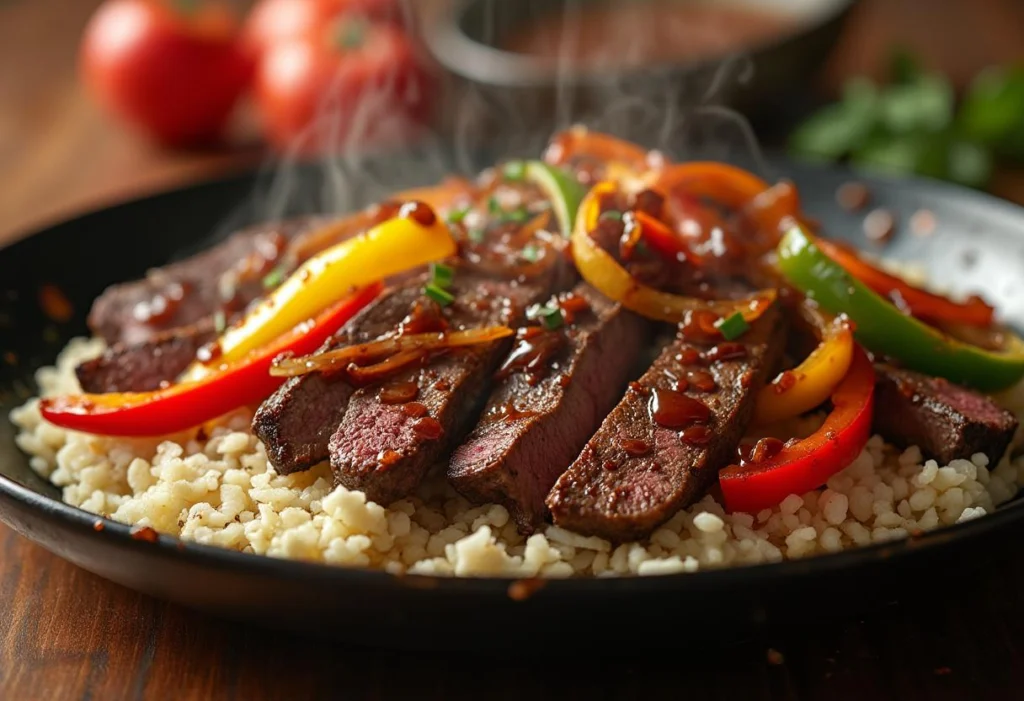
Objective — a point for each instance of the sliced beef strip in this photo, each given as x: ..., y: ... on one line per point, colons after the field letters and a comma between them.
x: 296, y: 422
x: 945, y: 420
x: 199, y: 281
x: 144, y: 366
x: 634, y: 474
x: 531, y: 430
x: 385, y: 449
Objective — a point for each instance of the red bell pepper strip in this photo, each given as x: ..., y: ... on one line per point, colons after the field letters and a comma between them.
x: 661, y: 239
x: 920, y: 303
x: 189, y: 404
x: 808, y: 464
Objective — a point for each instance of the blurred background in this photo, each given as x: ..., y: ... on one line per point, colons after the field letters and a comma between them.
x: 109, y: 99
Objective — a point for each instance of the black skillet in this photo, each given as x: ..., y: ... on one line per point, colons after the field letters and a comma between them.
x: 977, y: 246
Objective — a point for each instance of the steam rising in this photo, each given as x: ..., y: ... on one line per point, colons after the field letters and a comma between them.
x: 478, y: 126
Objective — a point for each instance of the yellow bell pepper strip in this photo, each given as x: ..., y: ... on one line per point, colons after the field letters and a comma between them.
x: 449, y: 193
x: 921, y: 303
x: 776, y: 470
x: 600, y: 269
x: 393, y: 246
x: 189, y: 404
x: 884, y: 329
x: 810, y: 383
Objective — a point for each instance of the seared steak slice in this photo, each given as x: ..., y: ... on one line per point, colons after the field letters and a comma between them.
x: 183, y: 293
x: 945, y: 420
x: 385, y: 449
x: 296, y: 422
x: 144, y: 366
x: 645, y: 462
x: 531, y: 430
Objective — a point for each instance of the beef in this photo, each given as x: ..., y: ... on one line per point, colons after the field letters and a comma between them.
x: 296, y: 422
x: 385, y: 449
x: 532, y: 429
x: 945, y: 420
x: 144, y: 366
x: 185, y: 292
x: 636, y: 472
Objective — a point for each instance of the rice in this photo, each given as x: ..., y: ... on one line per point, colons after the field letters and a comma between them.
x: 216, y: 487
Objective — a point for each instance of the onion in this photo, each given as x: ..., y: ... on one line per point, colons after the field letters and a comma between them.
x: 341, y: 358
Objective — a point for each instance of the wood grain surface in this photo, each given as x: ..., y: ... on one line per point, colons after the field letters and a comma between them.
x: 66, y: 634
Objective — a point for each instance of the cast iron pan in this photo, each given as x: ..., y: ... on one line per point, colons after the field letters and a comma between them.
x: 978, y: 246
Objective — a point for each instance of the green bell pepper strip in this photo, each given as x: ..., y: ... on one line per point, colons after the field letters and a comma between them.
x: 885, y: 329
x: 564, y: 193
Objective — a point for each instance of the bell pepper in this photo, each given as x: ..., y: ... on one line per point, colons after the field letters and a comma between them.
x: 620, y: 158
x: 921, y: 303
x: 769, y: 207
x: 807, y: 464
x: 662, y: 240
x: 187, y: 404
x: 600, y: 269
x: 811, y: 382
x: 884, y: 329
x: 562, y: 191
x: 391, y: 247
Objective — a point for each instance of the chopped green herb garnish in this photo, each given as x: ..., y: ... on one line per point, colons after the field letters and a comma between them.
x: 439, y: 295
x: 519, y: 215
x: 552, y: 318
x: 457, y: 215
x: 220, y: 321
x: 515, y: 170
x: 493, y: 206
x: 732, y: 327
x: 477, y: 235
x: 274, y: 278
x: 549, y: 315
x: 611, y: 214
x: 530, y: 252
x: 441, y: 275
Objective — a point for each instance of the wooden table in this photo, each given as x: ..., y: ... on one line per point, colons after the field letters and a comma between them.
x: 65, y: 634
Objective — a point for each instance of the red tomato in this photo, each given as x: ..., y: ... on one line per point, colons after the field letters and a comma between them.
x: 350, y: 83
x: 272, y: 21
x: 175, y: 76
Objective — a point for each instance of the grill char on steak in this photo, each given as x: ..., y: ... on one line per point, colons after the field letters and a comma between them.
x: 531, y: 430
x: 296, y: 422
x: 385, y: 449
x: 634, y: 473
x: 198, y: 279
x: 945, y: 420
x: 144, y: 366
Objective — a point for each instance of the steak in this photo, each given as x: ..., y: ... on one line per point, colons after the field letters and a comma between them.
x: 945, y: 420
x: 144, y: 366
x: 649, y: 458
x: 384, y: 449
x: 183, y: 293
x: 296, y: 422
x: 531, y: 429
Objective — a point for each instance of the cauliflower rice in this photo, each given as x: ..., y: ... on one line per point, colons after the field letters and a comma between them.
x: 214, y: 486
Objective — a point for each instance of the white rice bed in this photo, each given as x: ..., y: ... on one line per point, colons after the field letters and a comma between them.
x: 221, y: 491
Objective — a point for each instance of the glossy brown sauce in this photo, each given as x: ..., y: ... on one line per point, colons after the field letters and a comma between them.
x: 635, y: 447
x: 162, y: 306
x: 398, y: 392
x: 420, y: 212
x: 675, y: 410
x: 697, y: 434
x: 427, y: 427
x: 701, y: 380
x: 729, y: 350
x: 638, y: 33
x: 534, y: 349
x: 763, y: 450
x: 415, y: 409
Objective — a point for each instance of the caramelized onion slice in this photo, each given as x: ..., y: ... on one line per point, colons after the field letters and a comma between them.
x: 341, y: 358
x: 368, y: 374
